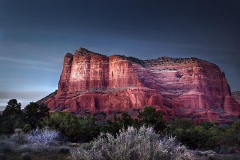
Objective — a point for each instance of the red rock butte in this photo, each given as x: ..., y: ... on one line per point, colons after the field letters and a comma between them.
x: 179, y: 87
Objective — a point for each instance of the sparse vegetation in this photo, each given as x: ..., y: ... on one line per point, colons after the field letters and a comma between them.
x: 35, y: 113
x: 76, y: 129
x: 132, y: 143
x: 23, y: 132
x: 42, y: 136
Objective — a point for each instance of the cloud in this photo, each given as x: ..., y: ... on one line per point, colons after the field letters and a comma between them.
x: 1, y: 37
x: 2, y: 108
x: 4, y: 81
x: 24, y: 97
x: 198, y: 47
x: 35, y: 64
x: 24, y: 61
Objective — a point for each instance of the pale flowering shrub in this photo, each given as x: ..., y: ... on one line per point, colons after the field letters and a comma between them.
x: 42, y: 136
x: 142, y: 144
x: 19, y: 137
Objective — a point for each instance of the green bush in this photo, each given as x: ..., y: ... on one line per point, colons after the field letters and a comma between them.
x: 34, y: 113
x: 88, y: 129
x: 82, y: 129
x: 150, y: 117
x: 194, y: 136
x: 113, y: 126
x: 64, y: 122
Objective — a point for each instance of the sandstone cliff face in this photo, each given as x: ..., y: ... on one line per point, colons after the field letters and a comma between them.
x: 236, y: 96
x: 187, y: 87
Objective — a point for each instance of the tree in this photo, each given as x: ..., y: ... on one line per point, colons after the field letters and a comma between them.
x: 112, y: 126
x: 13, y: 107
x: 64, y: 122
x: 125, y: 121
x: 118, y: 123
x: 10, y: 123
x: 81, y: 129
x: 195, y: 136
x: 34, y: 113
x: 150, y: 117
x: 179, y: 123
x: 12, y: 117
x: 88, y: 129
x: 231, y: 136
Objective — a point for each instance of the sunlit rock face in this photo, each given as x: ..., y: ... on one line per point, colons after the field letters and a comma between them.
x: 236, y: 96
x: 188, y: 87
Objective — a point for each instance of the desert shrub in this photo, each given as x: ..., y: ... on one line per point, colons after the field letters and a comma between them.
x: 142, y: 144
x: 3, y: 137
x: 117, y: 123
x: 204, y: 136
x: 24, y: 148
x: 88, y: 129
x: 34, y: 113
x: 231, y: 136
x: 6, y: 146
x: 52, y: 149
x: 19, y: 137
x: 11, y: 122
x: 34, y: 148
x: 42, y: 148
x: 25, y: 156
x: 73, y: 144
x: 54, y: 143
x: 2, y: 156
x: 151, y: 117
x: 42, y: 136
x: 76, y: 129
x: 26, y: 128
x: 63, y: 122
x: 64, y: 149
x: 180, y: 123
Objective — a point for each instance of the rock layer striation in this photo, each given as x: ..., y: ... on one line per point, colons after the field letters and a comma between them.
x: 185, y: 87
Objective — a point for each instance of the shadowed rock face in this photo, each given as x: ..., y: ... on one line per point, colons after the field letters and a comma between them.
x: 186, y: 87
x: 236, y: 96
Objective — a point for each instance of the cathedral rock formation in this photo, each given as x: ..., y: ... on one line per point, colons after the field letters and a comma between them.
x: 185, y: 87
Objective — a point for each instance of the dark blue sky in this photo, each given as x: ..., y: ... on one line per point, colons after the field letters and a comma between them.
x: 36, y: 34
